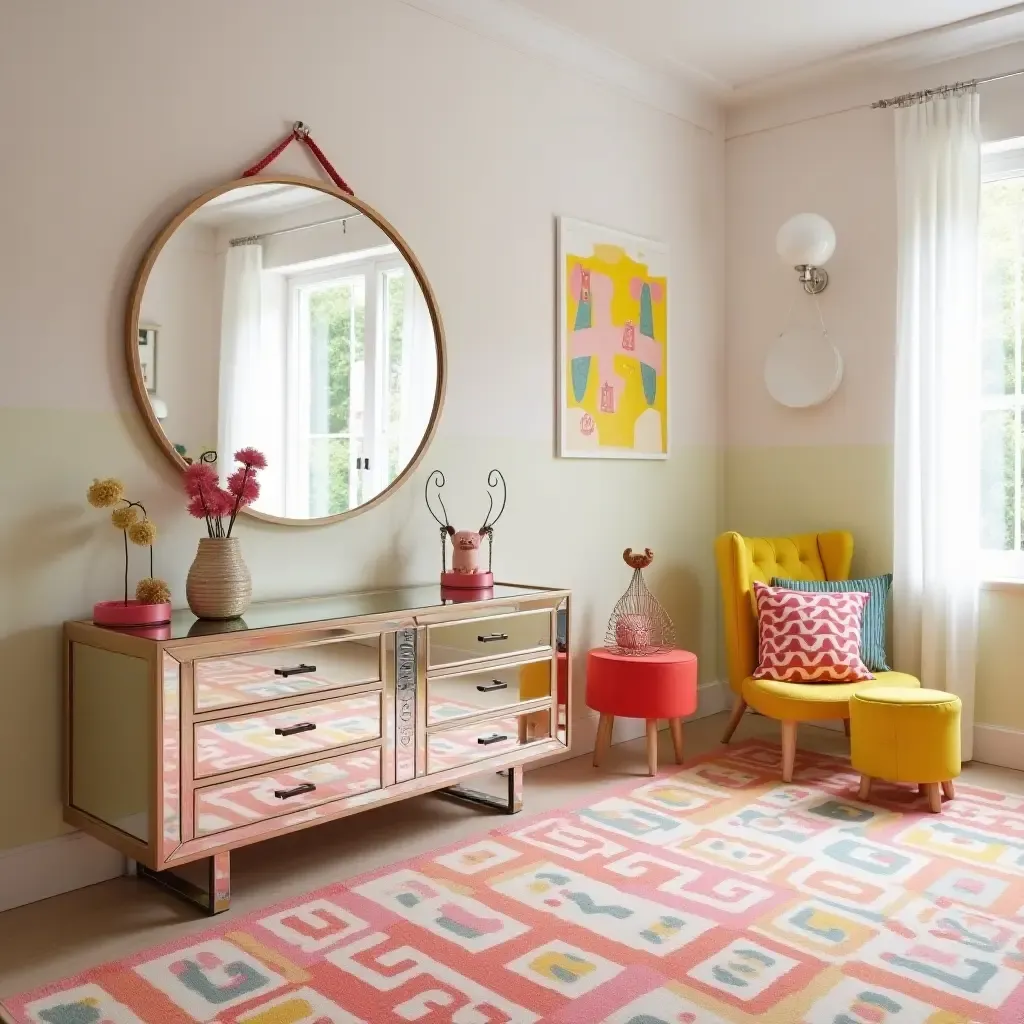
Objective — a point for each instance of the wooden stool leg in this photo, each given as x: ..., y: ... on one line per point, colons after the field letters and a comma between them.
x: 788, y: 750
x: 947, y: 790
x: 934, y: 795
x: 604, y: 738
x: 652, y: 746
x: 865, y: 788
x: 738, y: 707
x: 676, y: 725
x: 524, y: 732
x: 846, y: 726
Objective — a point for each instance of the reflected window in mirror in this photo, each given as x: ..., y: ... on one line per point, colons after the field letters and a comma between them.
x: 292, y: 321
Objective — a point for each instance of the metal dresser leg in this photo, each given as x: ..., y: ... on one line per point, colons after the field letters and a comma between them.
x: 214, y: 899
x: 512, y: 804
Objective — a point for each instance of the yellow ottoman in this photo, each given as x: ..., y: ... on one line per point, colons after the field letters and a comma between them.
x: 906, y: 735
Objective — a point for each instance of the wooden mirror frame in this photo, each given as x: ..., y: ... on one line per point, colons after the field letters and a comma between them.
x: 132, y: 324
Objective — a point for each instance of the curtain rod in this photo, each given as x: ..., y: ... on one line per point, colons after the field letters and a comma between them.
x: 252, y: 239
x: 943, y: 90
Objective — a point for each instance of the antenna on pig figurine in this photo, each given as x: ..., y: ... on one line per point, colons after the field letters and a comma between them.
x: 466, y: 573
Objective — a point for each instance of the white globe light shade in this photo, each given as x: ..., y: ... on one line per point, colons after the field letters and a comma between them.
x: 159, y: 407
x: 806, y: 239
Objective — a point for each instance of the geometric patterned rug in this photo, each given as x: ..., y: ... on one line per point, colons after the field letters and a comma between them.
x: 713, y: 894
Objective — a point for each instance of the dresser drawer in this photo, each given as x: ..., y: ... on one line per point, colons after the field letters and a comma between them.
x: 285, y: 672
x: 498, y: 637
x: 250, y: 740
x: 261, y: 797
x: 491, y: 689
x: 453, y: 748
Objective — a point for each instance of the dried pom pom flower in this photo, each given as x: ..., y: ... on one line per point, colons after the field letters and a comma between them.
x: 196, y: 507
x: 221, y: 502
x: 152, y: 591
x: 122, y: 518
x: 104, y: 493
x: 251, y: 457
x: 243, y: 483
x: 142, y: 533
x: 200, y: 477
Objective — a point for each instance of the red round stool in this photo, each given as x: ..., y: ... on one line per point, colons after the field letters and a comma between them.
x: 652, y: 687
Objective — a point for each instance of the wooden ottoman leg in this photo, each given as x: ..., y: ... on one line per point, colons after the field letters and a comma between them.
x: 676, y: 725
x: 846, y: 726
x: 604, y: 738
x: 865, y: 788
x: 947, y: 790
x: 934, y: 795
x: 652, y: 746
x: 738, y: 707
x: 788, y: 750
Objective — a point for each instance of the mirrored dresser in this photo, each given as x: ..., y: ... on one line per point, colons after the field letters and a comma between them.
x: 188, y: 740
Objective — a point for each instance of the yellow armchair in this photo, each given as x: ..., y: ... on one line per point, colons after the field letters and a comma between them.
x: 811, y: 556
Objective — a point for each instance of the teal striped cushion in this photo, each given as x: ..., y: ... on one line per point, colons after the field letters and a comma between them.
x: 872, y: 626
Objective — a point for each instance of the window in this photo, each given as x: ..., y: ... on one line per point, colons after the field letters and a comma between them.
x: 1002, y: 359
x: 346, y: 325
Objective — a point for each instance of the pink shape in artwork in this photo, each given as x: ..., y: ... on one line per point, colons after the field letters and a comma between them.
x: 607, y: 398
x: 603, y: 340
x: 629, y: 337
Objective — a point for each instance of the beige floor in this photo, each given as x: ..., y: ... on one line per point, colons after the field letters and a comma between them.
x: 52, y: 939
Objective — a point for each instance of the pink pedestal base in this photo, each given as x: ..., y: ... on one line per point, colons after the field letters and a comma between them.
x: 467, y: 580
x: 130, y: 613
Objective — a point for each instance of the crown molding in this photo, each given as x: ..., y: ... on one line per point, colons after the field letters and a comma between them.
x: 903, y: 54
x: 684, y: 95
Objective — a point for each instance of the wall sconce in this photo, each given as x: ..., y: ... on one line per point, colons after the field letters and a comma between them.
x: 805, y: 242
x: 159, y: 407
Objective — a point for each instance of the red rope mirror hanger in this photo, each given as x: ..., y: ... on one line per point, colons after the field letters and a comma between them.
x: 300, y: 131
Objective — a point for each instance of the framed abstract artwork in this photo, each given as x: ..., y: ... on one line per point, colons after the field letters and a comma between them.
x: 613, y: 400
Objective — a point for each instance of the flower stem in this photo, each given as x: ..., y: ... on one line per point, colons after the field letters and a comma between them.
x: 125, y: 566
x: 238, y: 499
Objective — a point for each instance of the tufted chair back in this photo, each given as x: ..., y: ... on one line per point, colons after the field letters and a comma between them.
x: 742, y: 560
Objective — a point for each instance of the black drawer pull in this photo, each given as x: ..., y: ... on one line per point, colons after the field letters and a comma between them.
x: 485, y: 740
x: 285, y: 794
x: 494, y: 684
x: 295, y: 670
x: 489, y: 638
x: 291, y: 730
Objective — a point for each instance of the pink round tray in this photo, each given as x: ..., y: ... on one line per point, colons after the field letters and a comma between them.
x: 130, y: 613
x: 467, y: 580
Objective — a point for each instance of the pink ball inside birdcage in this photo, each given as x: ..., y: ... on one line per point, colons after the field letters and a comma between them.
x: 633, y: 632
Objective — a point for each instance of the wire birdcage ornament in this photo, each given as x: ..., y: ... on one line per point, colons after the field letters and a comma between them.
x: 639, y: 626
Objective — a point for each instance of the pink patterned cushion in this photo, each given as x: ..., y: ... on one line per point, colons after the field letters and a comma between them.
x: 809, y: 637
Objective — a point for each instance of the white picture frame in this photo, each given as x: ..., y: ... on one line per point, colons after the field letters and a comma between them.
x: 613, y: 346
x: 148, y: 339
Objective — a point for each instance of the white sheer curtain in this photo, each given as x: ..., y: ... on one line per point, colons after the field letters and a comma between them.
x: 937, y: 457
x: 419, y: 372
x: 249, y: 407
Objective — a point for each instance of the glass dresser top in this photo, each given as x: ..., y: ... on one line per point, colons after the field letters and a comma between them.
x: 273, y: 614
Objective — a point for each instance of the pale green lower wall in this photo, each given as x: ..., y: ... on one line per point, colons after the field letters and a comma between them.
x: 566, y: 524
x: 777, y: 491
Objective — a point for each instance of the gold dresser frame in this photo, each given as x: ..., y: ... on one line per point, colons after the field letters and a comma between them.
x: 132, y: 708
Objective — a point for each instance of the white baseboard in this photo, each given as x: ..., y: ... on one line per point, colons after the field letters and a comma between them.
x: 994, y: 744
x: 41, y: 870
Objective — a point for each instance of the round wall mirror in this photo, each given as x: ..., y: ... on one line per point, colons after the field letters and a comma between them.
x: 284, y: 315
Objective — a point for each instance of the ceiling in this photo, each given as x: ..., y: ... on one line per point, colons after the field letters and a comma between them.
x: 731, y: 45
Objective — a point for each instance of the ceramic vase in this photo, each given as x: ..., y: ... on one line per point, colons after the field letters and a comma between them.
x: 218, y: 585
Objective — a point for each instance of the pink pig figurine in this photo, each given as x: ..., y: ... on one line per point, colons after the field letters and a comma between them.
x: 466, y: 551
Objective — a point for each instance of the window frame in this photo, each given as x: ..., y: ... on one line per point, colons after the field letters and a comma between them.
x: 370, y: 446
x: 1001, y: 161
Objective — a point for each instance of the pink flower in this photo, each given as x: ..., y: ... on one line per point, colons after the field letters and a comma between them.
x: 242, y: 483
x: 200, y: 478
x: 251, y: 457
x: 196, y: 507
x: 220, y: 502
